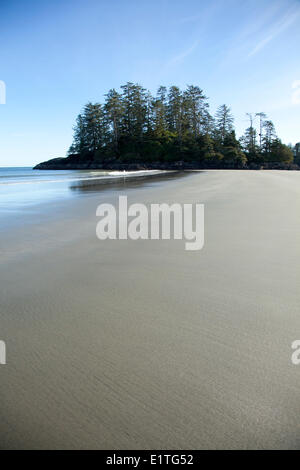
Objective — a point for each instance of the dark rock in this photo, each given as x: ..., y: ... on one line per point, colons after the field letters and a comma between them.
x: 75, y: 162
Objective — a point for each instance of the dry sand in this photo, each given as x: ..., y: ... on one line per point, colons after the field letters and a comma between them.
x: 143, y: 345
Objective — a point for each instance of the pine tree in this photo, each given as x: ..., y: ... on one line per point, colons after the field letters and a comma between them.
x: 96, y: 126
x: 174, y: 111
x: 80, y: 139
x: 160, y: 112
x: 174, y: 125
x: 114, y: 112
x: 223, y: 122
x: 248, y: 141
x: 268, y: 137
x: 196, y: 110
x: 135, y: 109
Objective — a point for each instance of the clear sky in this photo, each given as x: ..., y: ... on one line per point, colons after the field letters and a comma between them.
x: 58, y: 54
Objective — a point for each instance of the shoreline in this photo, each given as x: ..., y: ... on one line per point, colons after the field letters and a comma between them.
x: 65, y: 164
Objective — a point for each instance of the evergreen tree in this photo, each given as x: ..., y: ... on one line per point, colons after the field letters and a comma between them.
x: 135, y: 110
x: 174, y: 111
x: 248, y: 141
x: 80, y: 139
x: 223, y: 122
x: 268, y: 137
x: 114, y: 112
x: 96, y: 126
x: 280, y: 153
x: 160, y: 112
x: 195, y: 109
x: 175, y: 125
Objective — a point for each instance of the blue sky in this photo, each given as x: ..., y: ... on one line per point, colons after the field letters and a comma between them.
x: 58, y: 54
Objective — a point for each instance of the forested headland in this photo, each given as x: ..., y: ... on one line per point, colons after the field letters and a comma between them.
x: 134, y: 129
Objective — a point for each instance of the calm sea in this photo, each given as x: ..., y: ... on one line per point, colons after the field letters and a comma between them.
x: 23, y: 189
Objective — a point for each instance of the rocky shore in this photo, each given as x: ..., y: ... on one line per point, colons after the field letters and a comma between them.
x: 73, y: 162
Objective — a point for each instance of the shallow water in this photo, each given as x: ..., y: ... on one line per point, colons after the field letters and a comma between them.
x: 22, y: 186
x: 27, y: 192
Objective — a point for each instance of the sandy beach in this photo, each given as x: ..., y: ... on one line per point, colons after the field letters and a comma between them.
x: 143, y: 345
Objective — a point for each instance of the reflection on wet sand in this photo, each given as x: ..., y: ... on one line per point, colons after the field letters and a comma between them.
x: 129, y: 182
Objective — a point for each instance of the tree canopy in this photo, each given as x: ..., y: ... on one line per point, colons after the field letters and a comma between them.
x: 132, y: 125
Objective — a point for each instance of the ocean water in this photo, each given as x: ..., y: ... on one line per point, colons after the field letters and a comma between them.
x: 22, y: 187
x: 27, y: 194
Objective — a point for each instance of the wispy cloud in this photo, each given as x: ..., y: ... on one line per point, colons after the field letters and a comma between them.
x: 208, y: 11
x: 182, y: 55
x: 199, y: 25
x: 275, y: 30
x: 258, y: 29
x: 296, y: 93
x: 263, y: 17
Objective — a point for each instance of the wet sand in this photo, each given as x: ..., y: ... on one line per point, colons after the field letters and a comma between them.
x: 143, y: 345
